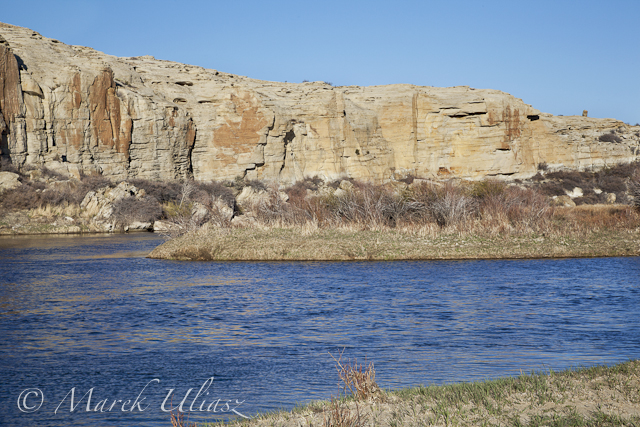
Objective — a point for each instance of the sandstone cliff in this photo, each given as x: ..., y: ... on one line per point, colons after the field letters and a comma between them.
x: 76, y: 110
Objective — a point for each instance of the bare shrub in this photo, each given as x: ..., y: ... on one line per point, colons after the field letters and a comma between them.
x: 590, y: 199
x: 357, y: 379
x: 365, y: 205
x: 206, y: 192
x: 274, y: 210
x: 22, y: 197
x: 590, y: 218
x: 339, y: 415
x: 447, y: 204
x: 299, y: 189
x: 610, y: 137
x: 48, y: 173
x: 163, y: 191
x: 487, y: 188
x: 526, y: 207
x: 538, y: 177
x: 634, y: 190
x: 184, y: 212
x: 7, y: 166
x: 93, y: 182
x: 552, y: 189
x: 130, y: 209
x: 178, y: 419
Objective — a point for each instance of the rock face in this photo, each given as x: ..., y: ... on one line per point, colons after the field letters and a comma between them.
x: 8, y: 181
x: 100, y: 204
x: 77, y: 110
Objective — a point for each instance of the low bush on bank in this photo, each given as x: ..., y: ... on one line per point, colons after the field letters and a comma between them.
x: 130, y: 209
x: 35, y: 193
x: 595, y: 184
x: 483, y: 206
x: 369, y: 206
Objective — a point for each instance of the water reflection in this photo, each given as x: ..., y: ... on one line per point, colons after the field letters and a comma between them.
x: 92, y: 312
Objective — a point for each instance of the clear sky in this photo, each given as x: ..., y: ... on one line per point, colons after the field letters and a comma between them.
x: 559, y: 56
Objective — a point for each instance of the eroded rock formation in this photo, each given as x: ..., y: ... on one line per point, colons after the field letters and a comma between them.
x: 78, y: 110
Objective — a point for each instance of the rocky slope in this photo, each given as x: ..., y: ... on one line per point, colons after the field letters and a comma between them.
x: 77, y: 110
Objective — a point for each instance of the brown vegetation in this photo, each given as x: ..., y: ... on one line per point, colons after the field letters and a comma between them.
x: 595, y: 184
x: 595, y: 396
x: 484, y: 207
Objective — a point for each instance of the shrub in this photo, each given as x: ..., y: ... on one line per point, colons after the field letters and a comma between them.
x: 634, y: 190
x: 446, y: 205
x: 93, y: 182
x: 163, y: 191
x: 22, y: 197
x: 256, y: 185
x: 590, y: 199
x: 205, y: 192
x: 408, y: 179
x: 610, y: 137
x: 357, y: 379
x: 131, y: 209
x: 7, y: 166
x: 538, y: 177
x: 273, y: 210
x: 552, y: 189
x: 487, y: 188
x: 520, y: 207
x: 48, y: 173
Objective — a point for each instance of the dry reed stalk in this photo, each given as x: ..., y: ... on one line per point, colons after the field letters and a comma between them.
x: 178, y: 420
x: 358, y: 379
x: 339, y: 415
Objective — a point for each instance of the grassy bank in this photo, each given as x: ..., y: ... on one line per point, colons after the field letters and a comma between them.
x: 596, y: 396
x: 586, y: 231
x: 337, y: 245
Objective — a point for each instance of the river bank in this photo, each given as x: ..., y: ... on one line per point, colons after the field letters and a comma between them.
x: 595, y: 396
x: 343, y: 244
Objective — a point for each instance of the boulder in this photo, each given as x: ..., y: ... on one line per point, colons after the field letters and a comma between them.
x: 99, y: 203
x: 221, y: 210
x: 576, y: 192
x: 611, y: 198
x: 242, y: 221
x: 346, y: 185
x: 199, y: 213
x: 9, y: 181
x: 564, y: 201
x: 250, y: 196
x: 161, y: 226
x: 138, y: 226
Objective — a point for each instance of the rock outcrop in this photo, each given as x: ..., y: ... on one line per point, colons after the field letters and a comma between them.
x: 8, y: 181
x: 100, y: 205
x: 77, y: 110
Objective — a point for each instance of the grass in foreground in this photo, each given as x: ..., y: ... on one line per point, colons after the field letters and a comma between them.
x: 596, y: 396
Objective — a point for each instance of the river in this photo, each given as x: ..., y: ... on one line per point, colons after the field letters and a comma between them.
x: 96, y: 334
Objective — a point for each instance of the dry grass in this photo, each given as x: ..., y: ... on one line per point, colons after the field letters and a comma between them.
x: 358, y: 380
x: 428, y: 242
x: 178, y: 419
x: 596, y: 396
x: 340, y: 414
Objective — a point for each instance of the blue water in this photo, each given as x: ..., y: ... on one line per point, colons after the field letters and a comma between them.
x: 81, y: 313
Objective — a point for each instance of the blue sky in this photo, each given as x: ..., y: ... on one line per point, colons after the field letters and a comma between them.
x: 559, y: 56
